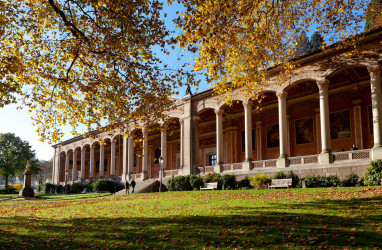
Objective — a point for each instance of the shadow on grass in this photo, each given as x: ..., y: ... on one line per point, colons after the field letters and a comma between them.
x: 275, y: 226
x: 60, y: 197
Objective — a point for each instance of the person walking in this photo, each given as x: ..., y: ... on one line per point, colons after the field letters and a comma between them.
x: 127, y: 187
x: 132, y: 186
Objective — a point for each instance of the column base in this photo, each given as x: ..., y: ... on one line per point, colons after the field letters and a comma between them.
x: 247, y: 166
x: 145, y: 176
x: 376, y: 153
x: 282, y: 162
x: 325, y: 158
x: 218, y: 168
x: 26, y: 192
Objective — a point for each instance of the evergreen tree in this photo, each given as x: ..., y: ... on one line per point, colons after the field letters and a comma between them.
x: 316, y: 41
x: 303, y: 45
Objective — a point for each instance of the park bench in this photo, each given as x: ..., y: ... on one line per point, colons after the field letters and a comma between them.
x: 276, y: 183
x: 209, y: 186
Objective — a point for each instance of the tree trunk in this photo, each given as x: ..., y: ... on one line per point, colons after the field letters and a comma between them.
x: 6, y: 181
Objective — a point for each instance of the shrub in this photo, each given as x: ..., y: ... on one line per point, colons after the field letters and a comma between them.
x: 90, y: 186
x: 350, y: 180
x: 46, y: 188
x: 289, y: 175
x: 331, y: 181
x: 77, y: 187
x: 8, y: 190
x: 260, y: 181
x: 59, y: 189
x: 312, y: 180
x: 107, y: 185
x: 213, y: 177
x: 294, y: 177
x: 182, y: 183
x: 373, y: 174
x: 279, y: 175
x: 322, y: 181
x: 196, y: 182
x: 244, y: 183
x: 229, y: 181
x: 18, y: 186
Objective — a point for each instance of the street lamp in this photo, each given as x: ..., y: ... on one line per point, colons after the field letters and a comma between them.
x: 161, y: 173
x: 66, y: 180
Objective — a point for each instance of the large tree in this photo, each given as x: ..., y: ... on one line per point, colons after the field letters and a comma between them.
x: 14, y: 155
x: 90, y: 62
x: 238, y: 40
x: 93, y: 62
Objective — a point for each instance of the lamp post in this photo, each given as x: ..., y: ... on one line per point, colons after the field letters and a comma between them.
x: 66, y: 180
x: 161, y: 173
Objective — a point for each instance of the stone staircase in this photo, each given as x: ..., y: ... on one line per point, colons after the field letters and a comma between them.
x: 147, y: 186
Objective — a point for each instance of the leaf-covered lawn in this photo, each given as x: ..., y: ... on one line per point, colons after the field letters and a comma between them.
x: 294, y: 218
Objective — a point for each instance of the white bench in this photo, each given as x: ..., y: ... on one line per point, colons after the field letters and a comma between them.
x: 281, y: 183
x: 209, y: 186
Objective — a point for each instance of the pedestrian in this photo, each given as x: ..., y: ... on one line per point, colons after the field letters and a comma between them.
x: 127, y: 187
x: 353, y: 148
x: 132, y: 186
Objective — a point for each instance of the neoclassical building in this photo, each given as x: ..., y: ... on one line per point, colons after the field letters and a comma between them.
x: 307, y: 125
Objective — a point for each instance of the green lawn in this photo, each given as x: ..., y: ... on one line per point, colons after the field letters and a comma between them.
x: 294, y: 218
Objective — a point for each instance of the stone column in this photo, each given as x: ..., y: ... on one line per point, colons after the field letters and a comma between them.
x: 357, y: 111
x: 318, y: 129
x: 92, y: 163
x: 101, y: 158
x: 196, y: 143
x: 288, y: 148
x: 74, y: 170
x: 282, y: 161
x: 66, y: 166
x: 219, y: 140
x: 124, y: 157
x: 57, y: 165
x: 130, y: 152
x: 83, y: 162
x: 181, y: 142
x: 145, y: 154
x: 112, y: 158
x: 163, y: 149
x: 164, y: 146
x: 325, y: 156
x: 376, y: 102
x: 247, y: 165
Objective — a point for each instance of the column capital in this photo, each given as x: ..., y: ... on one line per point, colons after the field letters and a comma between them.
x: 248, y: 103
x: 374, y: 69
x: 281, y: 95
x: 323, y: 83
x: 219, y: 111
x: 259, y: 123
x: 83, y: 149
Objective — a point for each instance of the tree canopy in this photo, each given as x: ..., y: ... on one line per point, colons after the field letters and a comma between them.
x: 14, y: 155
x: 86, y: 62
x: 91, y: 62
x: 238, y: 40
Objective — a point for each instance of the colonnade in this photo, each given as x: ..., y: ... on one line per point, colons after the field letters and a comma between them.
x: 186, y: 133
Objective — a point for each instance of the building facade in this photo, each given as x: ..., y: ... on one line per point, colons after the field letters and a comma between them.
x: 307, y: 124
